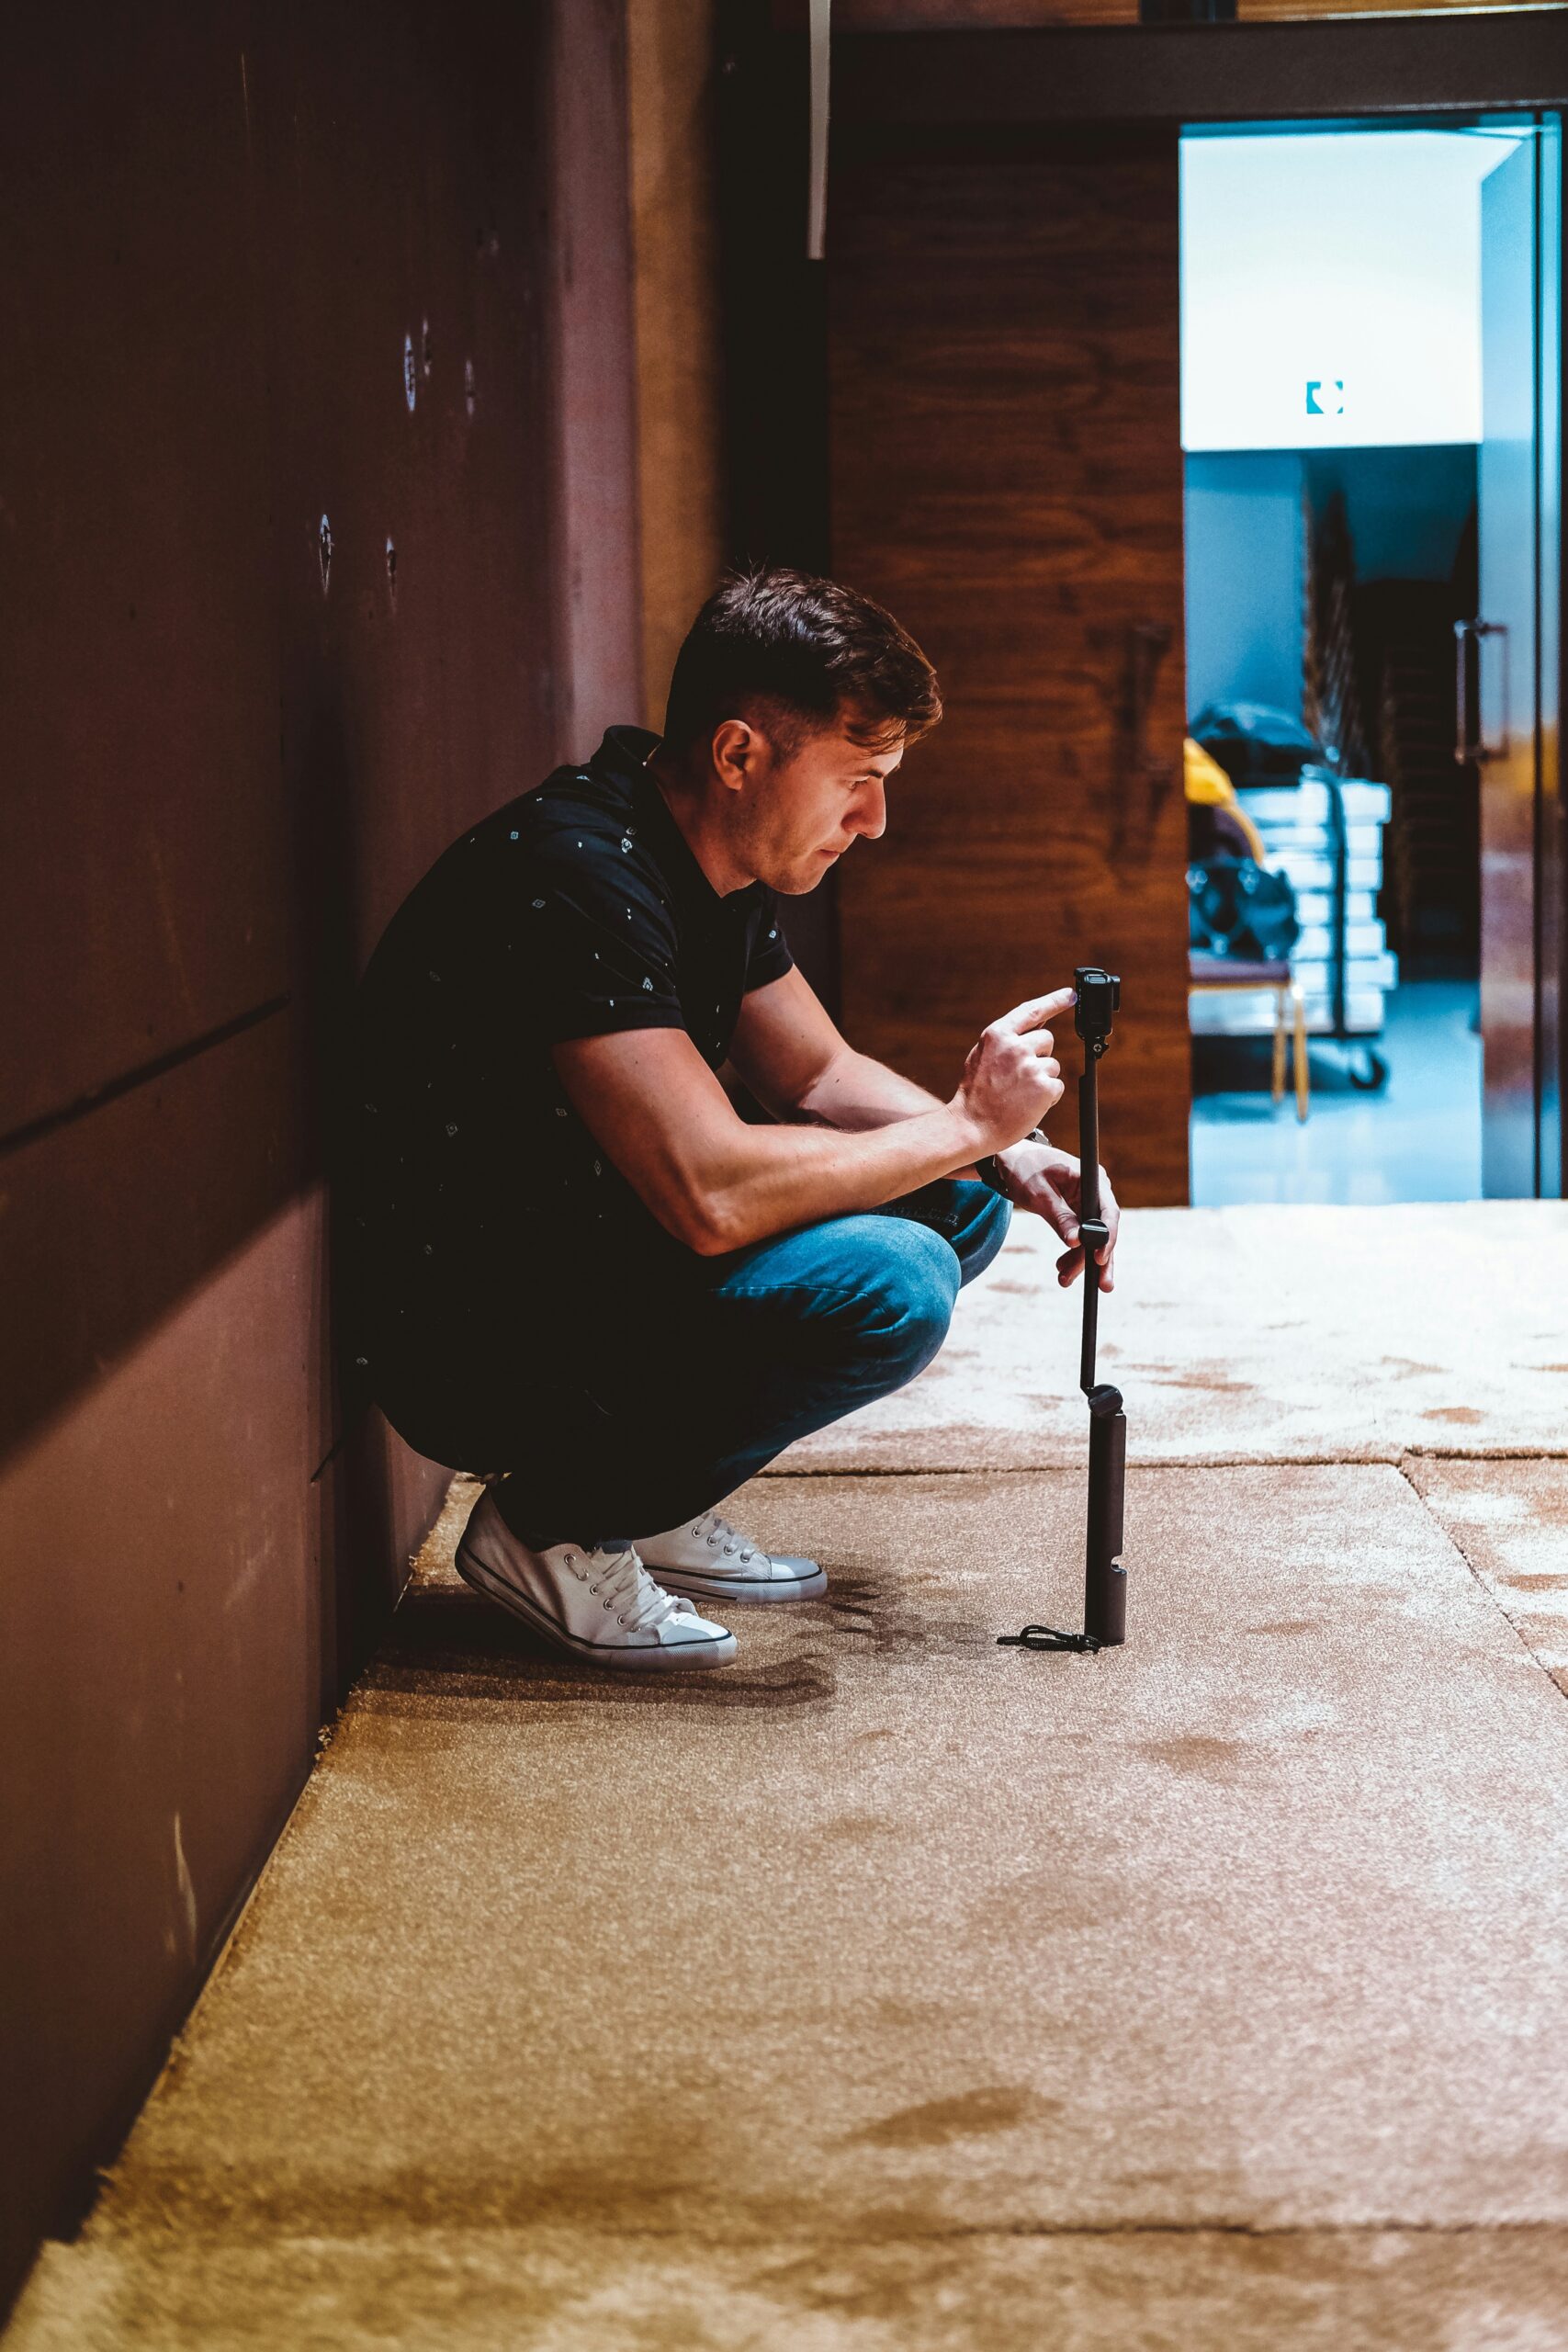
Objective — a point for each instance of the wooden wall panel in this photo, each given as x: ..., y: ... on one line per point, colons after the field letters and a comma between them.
x: 112, y: 1219
x: 176, y: 1602
x: 164, y: 1632
x: 1006, y: 475
x: 591, y: 325
x: 774, y: 359
x: 671, y: 86
x: 224, y: 224
x: 135, y: 781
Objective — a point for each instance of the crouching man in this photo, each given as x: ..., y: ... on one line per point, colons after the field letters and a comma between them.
x: 578, y: 1268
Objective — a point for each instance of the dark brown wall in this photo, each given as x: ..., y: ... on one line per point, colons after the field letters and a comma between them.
x: 774, y: 368
x: 219, y: 223
x: 1006, y: 475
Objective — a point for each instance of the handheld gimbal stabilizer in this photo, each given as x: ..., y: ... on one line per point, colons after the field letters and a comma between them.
x: 1105, y: 1579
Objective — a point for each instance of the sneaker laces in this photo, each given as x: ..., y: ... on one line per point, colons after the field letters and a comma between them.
x: 624, y: 1585
x: 715, y: 1530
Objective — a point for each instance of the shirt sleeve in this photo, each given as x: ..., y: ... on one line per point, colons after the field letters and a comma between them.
x: 770, y: 958
x: 597, y: 940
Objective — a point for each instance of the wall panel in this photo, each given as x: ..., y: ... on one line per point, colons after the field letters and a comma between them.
x: 137, y: 525
x: 672, y: 74
x: 262, y: 264
x: 1006, y: 476
x: 171, y: 1638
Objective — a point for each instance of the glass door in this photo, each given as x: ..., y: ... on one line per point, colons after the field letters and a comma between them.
x: 1508, y: 663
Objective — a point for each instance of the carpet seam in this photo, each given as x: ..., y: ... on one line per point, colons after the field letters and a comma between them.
x: 959, y: 2232
x: 1391, y: 1461
x: 1484, y: 1583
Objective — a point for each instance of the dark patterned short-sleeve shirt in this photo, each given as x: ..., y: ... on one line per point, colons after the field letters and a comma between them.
x: 576, y: 911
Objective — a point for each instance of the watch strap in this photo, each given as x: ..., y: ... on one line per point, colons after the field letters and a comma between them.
x: 990, y: 1174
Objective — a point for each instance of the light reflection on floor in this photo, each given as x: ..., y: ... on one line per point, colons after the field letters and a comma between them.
x: 1419, y: 1139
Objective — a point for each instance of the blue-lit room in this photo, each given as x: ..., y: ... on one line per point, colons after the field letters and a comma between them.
x: 1357, y: 362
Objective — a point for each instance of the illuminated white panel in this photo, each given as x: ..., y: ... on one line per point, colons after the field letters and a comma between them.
x: 1331, y: 288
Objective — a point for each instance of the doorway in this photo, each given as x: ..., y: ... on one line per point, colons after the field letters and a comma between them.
x: 1370, y: 329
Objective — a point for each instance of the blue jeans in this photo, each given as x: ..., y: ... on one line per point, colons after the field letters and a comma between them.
x: 667, y: 1417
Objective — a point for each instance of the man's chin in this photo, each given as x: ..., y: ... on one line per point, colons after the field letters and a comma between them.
x: 807, y: 876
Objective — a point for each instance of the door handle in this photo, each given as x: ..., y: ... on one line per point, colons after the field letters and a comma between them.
x: 1470, y: 744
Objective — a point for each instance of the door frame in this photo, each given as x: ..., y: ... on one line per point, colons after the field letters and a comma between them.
x: 1545, y: 127
x: 1353, y: 67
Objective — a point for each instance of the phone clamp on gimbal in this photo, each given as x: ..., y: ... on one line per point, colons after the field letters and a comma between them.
x: 1105, y: 1579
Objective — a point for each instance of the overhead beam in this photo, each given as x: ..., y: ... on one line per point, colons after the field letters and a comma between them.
x: 1194, y: 73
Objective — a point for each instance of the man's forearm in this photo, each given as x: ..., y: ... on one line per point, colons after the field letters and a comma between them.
x: 773, y: 1178
x: 855, y: 1092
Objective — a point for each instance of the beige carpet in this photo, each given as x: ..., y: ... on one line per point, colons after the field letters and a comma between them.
x: 892, y: 1992
x: 1253, y: 1335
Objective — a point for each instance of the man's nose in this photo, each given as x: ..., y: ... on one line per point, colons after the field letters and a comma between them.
x: 871, y: 811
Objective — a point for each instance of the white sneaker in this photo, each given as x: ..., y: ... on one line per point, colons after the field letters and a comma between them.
x: 601, y: 1605
x: 714, y: 1560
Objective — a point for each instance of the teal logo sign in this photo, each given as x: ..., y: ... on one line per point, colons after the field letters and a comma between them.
x: 1326, y: 396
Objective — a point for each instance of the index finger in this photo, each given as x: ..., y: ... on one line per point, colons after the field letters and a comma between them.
x: 1036, y: 1010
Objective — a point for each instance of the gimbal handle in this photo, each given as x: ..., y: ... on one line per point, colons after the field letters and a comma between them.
x: 1099, y: 998
x: 1105, y: 1579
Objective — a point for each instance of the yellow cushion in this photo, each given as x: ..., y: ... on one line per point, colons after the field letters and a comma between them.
x: 1206, y: 780
x: 1208, y: 783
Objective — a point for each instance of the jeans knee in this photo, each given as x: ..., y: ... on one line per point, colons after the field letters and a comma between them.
x: 984, y: 1234
x: 909, y: 1281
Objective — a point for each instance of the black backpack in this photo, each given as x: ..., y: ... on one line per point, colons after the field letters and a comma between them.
x: 1238, y: 908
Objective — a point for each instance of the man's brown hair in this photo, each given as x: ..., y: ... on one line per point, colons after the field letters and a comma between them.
x: 812, y: 652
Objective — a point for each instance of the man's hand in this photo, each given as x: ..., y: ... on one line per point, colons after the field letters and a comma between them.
x: 1012, y: 1079
x: 1049, y: 1183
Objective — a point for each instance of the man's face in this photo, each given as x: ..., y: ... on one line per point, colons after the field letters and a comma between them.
x: 797, y: 812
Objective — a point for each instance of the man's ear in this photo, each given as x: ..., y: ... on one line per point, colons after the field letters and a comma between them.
x: 734, y: 752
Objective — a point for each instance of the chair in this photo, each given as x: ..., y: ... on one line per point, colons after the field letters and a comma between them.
x: 1221, y: 972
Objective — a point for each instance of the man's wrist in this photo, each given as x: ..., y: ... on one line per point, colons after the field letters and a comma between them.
x: 969, y: 1140
x: 992, y: 1169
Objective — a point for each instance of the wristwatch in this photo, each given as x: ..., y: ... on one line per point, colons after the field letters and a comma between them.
x: 990, y: 1173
